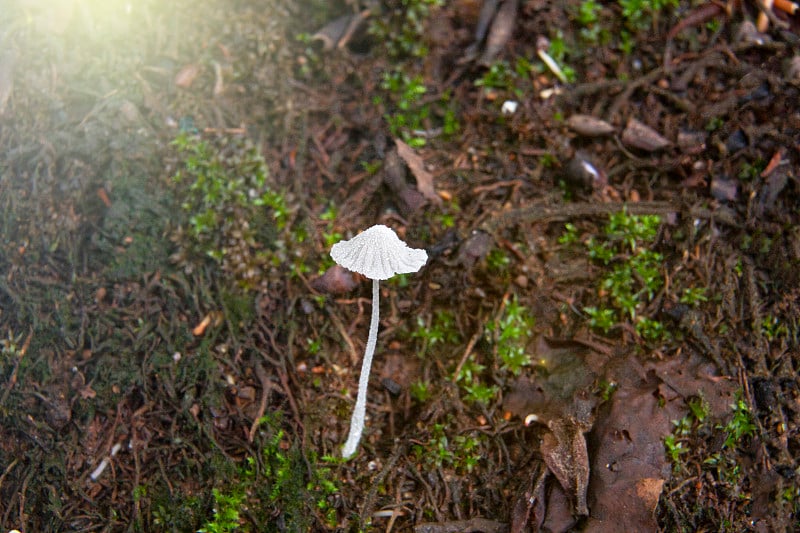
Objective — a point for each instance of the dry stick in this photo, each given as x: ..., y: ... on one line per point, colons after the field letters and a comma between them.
x: 343, y: 332
x: 261, y: 374
x: 7, y: 470
x: 547, y: 212
x: 470, y: 345
x: 463, y: 526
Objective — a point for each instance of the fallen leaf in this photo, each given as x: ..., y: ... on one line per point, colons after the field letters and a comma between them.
x: 643, y: 137
x: 629, y: 465
x: 565, y: 454
x: 87, y: 393
x: 589, y: 126
x: 408, y: 199
x: 417, y: 167
x: 501, y: 31
x: 649, y: 491
x: 200, y: 328
x: 186, y: 76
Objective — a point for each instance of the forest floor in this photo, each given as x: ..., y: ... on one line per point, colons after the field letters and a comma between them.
x: 605, y: 336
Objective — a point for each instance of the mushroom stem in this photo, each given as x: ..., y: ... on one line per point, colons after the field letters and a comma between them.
x: 357, y: 421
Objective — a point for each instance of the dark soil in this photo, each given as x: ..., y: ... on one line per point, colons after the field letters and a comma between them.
x: 179, y: 352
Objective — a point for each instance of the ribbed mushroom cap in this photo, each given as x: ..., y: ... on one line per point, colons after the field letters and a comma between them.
x: 378, y: 253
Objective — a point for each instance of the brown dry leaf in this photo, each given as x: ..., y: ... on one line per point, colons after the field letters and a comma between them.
x: 649, y: 491
x: 417, y: 167
x: 408, y: 199
x: 186, y: 76
x: 629, y: 464
x: 564, y: 451
x: 87, y: 392
x: 200, y: 328
x: 643, y: 137
x: 501, y: 31
x: 692, y: 375
x: 589, y: 126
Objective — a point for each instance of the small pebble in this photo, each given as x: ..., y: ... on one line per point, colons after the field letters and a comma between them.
x: 509, y: 107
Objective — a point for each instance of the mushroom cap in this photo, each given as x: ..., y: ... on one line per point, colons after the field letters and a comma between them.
x: 378, y: 253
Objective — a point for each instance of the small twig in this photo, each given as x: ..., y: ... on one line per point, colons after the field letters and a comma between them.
x: 497, y: 185
x: 463, y: 526
x: 470, y: 345
x: 97, y: 472
x: 262, y: 405
x: 7, y: 470
x: 549, y: 212
x: 292, y: 403
x: 354, y: 357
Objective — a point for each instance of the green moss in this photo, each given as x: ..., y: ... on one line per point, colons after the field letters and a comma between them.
x: 232, y: 213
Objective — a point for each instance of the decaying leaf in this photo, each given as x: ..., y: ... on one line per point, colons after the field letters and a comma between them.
x: 417, y: 167
x: 643, y: 137
x: 408, y: 199
x: 338, y: 32
x: 335, y: 280
x: 186, y: 76
x: 629, y: 465
x: 501, y: 31
x: 563, y: 404
x: 565, y: 454
x: 589, y: 126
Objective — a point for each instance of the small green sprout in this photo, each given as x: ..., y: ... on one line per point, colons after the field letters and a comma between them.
x: 439, y: 330
x: 510, y: 334
x: 601, y: 319
x: 632, y: 274
x: 772, y: 328
x: 570, y: 234
x: 421, y: 391
x: 674, y: 447
x: 226, y: 512
x: 740, y: 425
x: 699, y: 408
x: 694, y: 296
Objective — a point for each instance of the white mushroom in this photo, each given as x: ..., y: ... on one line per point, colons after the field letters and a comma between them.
x: 377, y: 253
